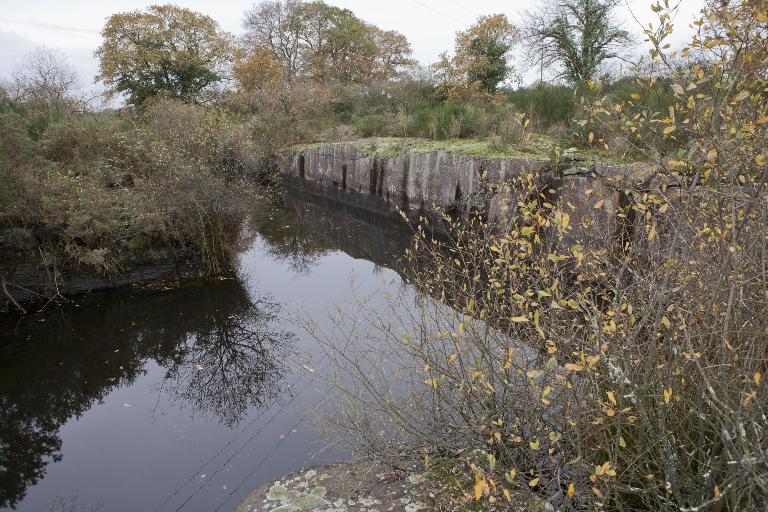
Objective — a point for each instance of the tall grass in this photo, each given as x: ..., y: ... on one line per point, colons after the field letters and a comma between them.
x: 546, y: 105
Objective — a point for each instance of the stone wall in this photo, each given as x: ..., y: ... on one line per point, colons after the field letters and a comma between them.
x: 440, y: 180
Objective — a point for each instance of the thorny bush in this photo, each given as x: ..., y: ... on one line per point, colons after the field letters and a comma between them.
x: 605, y: 351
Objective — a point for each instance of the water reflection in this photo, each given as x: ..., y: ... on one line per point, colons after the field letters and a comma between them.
x: 214, y: 351
x: 219, y: 347
x: 303, y: 227
x: 228, y: 366
x: 287, y: 239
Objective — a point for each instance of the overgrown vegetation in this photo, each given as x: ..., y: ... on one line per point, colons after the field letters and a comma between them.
x: 205, y: 111
x: 599, y: 358
x: 603, y: 359
x: 111, y: 190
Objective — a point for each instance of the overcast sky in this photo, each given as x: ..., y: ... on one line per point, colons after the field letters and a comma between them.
x: 430, y: 25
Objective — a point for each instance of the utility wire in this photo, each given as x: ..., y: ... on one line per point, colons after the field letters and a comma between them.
x: 463, y: 7
x: 47, y: 26
x: 429, y: 7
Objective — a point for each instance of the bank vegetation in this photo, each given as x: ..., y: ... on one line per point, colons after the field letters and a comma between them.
x: 563, y: 361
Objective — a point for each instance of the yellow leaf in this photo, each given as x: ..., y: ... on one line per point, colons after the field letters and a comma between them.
x: 760, y: 160
x: 605, y: 470
x: 480, y: 485
x: 544, y: 394
x: 452, y: 357
x: 622, y: 442
x: 599, y: 204
x: 712, y: 156
x: 431, y: 383
x: 591, y: 137
x: 669, y: 129
x: 758, y: 378
x: 535, y: 444
x: 611, y: 397
x: 520, y: 319
x: 571, y: 490
x: 507, y: 495
x: 675, y: 164
x: 652, y: 233
x: 534, y: 482
x: 667, y: 395
x: 635, y: 96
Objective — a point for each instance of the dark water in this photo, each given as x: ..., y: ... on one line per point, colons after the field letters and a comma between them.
x: 185, y: 399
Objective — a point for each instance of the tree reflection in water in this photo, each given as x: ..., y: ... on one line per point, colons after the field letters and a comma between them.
x: 287, y: 239
x: 221, y: 351
x: 231, y: 367
x: 301, y: 228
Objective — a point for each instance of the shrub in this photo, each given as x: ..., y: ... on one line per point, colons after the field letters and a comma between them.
x: 450, y: 120
x: 607, y: 359
x: 112, y: 190
x: 78, y: 140
x: 370, y: 125
x: 546, y: 105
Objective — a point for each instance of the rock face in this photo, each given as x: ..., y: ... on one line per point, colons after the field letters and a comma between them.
x: 346, y: 487
x: 409, y: 180
x: 440, y: 180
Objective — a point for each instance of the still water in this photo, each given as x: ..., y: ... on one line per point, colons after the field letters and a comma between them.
x: 186, y: 399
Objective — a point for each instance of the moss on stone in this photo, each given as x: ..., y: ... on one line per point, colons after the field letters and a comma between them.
x: 539, y: 147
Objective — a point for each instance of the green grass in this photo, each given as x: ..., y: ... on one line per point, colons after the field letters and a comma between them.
x: 538, y: 147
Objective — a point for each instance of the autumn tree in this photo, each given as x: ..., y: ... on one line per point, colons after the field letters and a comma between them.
x: 324, y: 43
x: 263, y: 86
x: 481, y: 59
x: 578, y: 36
x: 164, y: 50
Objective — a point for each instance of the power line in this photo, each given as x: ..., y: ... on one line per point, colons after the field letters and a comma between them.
x: 47, y: 26
x: 429, y: 7
x: 463, y: 7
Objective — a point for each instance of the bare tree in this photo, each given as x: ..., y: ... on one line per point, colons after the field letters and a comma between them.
x: 577, y: 36
x: 278, y: 27
x: 45, y: 79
